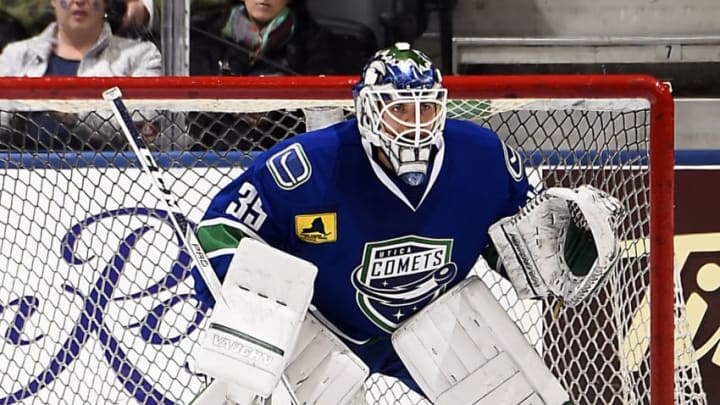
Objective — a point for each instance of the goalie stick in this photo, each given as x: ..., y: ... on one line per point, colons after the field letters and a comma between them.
x: 169, y: 202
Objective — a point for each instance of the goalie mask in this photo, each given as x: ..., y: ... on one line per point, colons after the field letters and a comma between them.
x: 400, y: 105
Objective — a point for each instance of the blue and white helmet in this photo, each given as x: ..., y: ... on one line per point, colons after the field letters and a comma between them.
x: 400, y: 105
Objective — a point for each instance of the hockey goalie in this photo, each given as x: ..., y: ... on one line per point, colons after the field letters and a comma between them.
x: 348, y: 251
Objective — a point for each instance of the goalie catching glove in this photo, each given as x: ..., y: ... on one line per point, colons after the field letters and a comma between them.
x: 563, y: 242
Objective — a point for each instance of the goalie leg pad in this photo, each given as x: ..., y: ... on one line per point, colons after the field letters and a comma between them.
x: 534, y: 244
x: 464, y: 349
x: 213, y: 394
x: 220, y: 393
x: 252, y: 331
x: 323, y: 370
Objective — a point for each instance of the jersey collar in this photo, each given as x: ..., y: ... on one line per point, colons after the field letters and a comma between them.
x: 390, y: 185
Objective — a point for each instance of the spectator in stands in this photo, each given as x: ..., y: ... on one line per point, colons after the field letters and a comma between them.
x: 35, y: 15
x: 255, y: 38
x: 260, y: 37
x: 78, y: 43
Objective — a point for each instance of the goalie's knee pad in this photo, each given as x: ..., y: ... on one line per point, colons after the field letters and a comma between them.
x: 323, y: 370
x: 464, y: 349
x: 252, y: 331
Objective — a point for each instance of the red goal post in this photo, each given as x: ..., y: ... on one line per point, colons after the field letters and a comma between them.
x: 589, y: 116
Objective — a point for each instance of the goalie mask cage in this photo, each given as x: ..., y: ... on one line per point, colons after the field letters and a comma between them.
x: 96, y: 302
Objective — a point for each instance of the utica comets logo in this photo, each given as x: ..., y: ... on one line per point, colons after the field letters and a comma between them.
x: 400, y: 276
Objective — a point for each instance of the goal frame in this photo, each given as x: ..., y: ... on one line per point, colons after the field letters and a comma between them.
x: 661, y: 149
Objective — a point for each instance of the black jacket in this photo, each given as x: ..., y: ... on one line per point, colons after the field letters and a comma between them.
x: 307, y: 52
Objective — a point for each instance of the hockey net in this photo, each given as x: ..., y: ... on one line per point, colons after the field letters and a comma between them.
x: 96, y: 302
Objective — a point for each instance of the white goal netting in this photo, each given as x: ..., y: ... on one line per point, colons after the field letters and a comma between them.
x: 96, y: 301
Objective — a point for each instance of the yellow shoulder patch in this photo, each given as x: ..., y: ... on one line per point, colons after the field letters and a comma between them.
x: 316, y: 228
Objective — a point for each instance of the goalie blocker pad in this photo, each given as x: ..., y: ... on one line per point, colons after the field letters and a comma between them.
x: 464, y: 349
x: 532, y: 243
x: 323, y: 370
x: 248, y: 341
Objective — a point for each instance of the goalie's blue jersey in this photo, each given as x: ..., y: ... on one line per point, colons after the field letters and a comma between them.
x: 383, y: 249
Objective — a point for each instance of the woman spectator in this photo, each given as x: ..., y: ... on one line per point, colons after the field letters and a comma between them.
x: 260, y: 37
x: 255, y: 38
x: 78, y: 43
x: 35, y: 15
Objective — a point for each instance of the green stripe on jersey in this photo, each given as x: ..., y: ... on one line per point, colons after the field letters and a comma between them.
x: 215, y: 237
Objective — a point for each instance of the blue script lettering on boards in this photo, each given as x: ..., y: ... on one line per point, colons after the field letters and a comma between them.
x: 95, y: 303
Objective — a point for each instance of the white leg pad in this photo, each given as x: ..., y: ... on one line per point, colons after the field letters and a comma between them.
x: 251, y: 333
x: 322, y: 370
x: 213, y: 394
x: 220, y: 393
x: 464, y: 349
